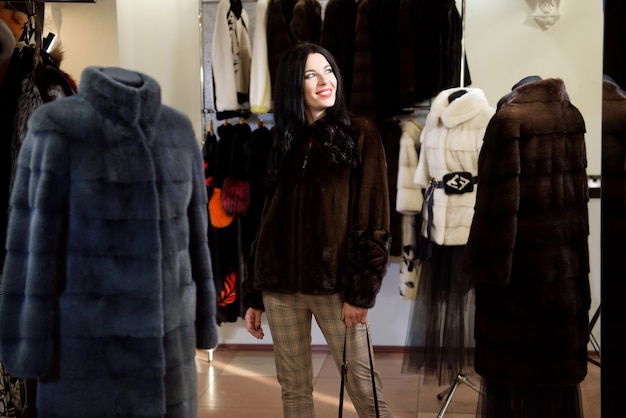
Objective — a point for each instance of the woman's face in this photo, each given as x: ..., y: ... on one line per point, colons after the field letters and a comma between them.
x: 320, y: 86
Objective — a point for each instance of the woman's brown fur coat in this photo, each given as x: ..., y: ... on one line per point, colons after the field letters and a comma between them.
x: 309, y: 241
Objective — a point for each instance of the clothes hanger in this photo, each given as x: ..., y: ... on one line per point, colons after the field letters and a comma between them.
x: 29, y: 33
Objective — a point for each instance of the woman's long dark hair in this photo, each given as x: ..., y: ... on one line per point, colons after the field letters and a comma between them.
x: 332, y: 132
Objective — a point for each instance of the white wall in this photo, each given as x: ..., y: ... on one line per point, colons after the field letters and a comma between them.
x: 503, y: 43
x: 158, y: 37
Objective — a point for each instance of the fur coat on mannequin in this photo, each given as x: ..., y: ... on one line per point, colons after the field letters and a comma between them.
x: 108, y: 287
x: 528, y: 248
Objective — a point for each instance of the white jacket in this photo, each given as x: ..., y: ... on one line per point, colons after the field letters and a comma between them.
x: 450, y: 142
x: 230, y: 58
x: 260, y: 85
x: 409, y: 196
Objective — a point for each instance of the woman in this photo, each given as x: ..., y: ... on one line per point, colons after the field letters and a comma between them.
x: 323, y: 243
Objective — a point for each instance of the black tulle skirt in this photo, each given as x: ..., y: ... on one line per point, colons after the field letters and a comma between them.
x: 440, y: 336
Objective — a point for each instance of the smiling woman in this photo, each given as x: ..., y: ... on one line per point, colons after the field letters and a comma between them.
x: 323, y: 242
x: 320, y: 87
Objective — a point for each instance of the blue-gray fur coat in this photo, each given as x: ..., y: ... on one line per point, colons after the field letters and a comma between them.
x: 107, y: 286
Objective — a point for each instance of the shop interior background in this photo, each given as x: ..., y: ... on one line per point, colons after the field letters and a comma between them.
x: 503, y: 42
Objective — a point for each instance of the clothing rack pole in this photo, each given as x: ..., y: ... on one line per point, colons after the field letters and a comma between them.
x: 462, y: 70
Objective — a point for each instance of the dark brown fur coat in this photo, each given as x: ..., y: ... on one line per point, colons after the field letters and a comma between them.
x: 528, y: 246
x: 308, y: 242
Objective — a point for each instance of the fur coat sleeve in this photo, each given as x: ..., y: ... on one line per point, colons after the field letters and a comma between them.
x: 409, y: 198
x: 370, y: 240
x: 231, y: 57
x: 260, y: 85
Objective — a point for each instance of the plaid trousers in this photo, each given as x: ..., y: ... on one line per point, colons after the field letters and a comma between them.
x: 290, y: 317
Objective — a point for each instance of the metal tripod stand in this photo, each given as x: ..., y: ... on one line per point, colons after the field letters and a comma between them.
x: 592, y: 339
x: 461, y: 377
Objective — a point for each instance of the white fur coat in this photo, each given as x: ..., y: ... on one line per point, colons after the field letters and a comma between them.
x: 451, y: 141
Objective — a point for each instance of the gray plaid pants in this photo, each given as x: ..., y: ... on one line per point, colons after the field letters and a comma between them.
x: 289, y: 317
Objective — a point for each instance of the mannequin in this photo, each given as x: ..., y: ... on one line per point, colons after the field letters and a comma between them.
x: 130, y: 78
x: 439, y: 338
x: 528, y: 254
x: 455, y: 95
x: 118, y: 236
x: 526, y: 80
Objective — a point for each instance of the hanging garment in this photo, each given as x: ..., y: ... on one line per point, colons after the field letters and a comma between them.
x: 390, y: 133
x: 338, y: 37
x: 107, y: 286
x: 290, y: 22
x: 386, y: 58
x: 409, y: 200
x: 33, y: 78
x: 29, y: 77
x: 439, y: 338
x: 362, y: 100
x: 231, y: 57
x: 429, y: 36
x: 236, y: 178
x: 260, y: 85
x: 529, y: 256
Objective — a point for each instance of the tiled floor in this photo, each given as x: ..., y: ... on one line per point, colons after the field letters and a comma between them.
x: 242, y: 384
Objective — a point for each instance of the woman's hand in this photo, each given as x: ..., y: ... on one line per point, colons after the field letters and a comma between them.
x: 253, y: 322
x: 352, y: 315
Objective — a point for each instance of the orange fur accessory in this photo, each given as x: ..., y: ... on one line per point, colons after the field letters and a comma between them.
x: 217, y: 214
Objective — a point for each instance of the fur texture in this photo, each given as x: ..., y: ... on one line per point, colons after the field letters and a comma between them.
x: 305, y: 242
x: 219, y: 217
x: 451, y: 141
x: 107, y: 285
x: 527, y: 247
x: 235, y: 196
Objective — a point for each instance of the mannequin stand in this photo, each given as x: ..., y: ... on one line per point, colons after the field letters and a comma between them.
x: 460, y: 378
x: 592, y: 339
